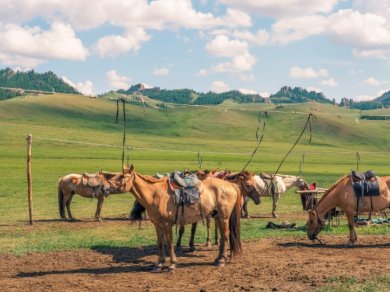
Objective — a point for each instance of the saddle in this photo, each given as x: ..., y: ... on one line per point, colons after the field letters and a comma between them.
x: 91, y: 180
x: 185, y: 188
x: 365, y: 184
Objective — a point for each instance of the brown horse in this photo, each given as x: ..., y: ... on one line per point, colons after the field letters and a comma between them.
x: 86, y: 185
x: 156, y: 195
x: 248, y: 187
x: 342, y: 195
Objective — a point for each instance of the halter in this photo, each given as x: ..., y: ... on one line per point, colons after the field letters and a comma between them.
x: 249, y: 192
x: 132, y: 175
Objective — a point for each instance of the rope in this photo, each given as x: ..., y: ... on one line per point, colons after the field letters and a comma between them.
x: 311, y: 118
x: 130, y: 147
x: 357, y: 160
x: 258, y: 139
x: 124, y: 126
x: 200, y: 160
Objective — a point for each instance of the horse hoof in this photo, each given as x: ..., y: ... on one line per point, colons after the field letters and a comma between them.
x: 179, y: 250
x: 72, y: 220
x: 209, y: 245
x: 192, y: 248
x: 275, y: 216
x: 99, y: 220
x: 171, y: 268
x: 157, y: 269
x: 350, y: 244
x: 219, y: 262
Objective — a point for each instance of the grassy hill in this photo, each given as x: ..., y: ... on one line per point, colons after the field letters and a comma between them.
x: 75, y: 134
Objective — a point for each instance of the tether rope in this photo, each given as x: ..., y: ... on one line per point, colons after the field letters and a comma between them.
x: 311, y: 118
x: 258, y: 139
x: 124, y: 126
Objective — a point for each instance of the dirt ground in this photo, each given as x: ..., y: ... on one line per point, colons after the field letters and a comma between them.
x: 278, y: 264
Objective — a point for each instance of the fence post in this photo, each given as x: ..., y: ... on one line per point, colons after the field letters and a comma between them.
x: 29, y: 178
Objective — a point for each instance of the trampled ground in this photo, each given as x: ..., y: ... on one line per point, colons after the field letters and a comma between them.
x: 278, y: 264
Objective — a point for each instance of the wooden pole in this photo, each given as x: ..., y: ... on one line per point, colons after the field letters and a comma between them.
x: 29, y: 179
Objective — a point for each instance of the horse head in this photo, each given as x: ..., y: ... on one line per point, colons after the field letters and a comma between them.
x: 248, y: 184
x: 301, y: 184
x: 314, y: 224
x: 120, y: 182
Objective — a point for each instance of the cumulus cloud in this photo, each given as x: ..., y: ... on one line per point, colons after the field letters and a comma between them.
x: 297, y: 72
x: 30, y: 46
x: 117, y: 81
x: 313, y: 88
x: 282, y: 8
x: 330, y: 82
x: 261, y: 37
x: 364, y: 97
x: 85, y: 88
x: 161, y: 72
x: 114, y: 45
x: 371, y: 81
x: 247, y: 91
x: 241, y: 60
x: 219, y: 87
x: 202, y: 72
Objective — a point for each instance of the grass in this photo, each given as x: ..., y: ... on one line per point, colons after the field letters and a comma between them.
x: 223, y: 135
x: 376, y: 283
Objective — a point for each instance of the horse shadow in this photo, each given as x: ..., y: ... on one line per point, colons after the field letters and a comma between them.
x: 334, y: 246
x: 135, y: 257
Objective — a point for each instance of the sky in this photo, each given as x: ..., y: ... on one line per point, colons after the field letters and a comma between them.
x: 338, y: 47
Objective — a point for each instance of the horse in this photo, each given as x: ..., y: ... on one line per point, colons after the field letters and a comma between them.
x: 246, y: 191
x: 85, y: 185
x: 342, y: 195
x: 216, y: 197
x: 281, y: 184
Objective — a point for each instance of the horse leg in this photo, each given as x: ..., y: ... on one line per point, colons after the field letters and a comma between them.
x: 223, y: 226
x: 208, y: 224
x: 350, y: 213
x: 216, y: 241
x: 161, y: 249
x: 244, y: 209
x: 99, y: 207
x: 275, y: 199
x: 178, y: 242
x: 169, y: 238
x: 192, y: 238
x: 70, y: 216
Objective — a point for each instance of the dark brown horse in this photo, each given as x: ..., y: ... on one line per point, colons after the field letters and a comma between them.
x: 216, y: 196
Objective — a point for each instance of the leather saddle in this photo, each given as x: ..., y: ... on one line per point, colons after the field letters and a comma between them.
x: 365, y: 184
x: 185, y: 189
x: 91, y: 180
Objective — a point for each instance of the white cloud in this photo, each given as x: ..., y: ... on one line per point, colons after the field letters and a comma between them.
x: 364, y: 97
x: 219, y: 86
x: 265, y: 94
x: 222, y: 46
x: 85, y: 88
x: 247, y: 91
x: 330, y: 82
x: 297, y: 72
x: 261, y: 37
x: 114, y: 45
x: 117, y: 81
x: 283, y: 8
x: 371, y: 81
x: 30, y: 46
x: 202, y: 72
x: 382, y: 91
x: 313, y: 88
x: 239, y: 63
x: 161, y: 72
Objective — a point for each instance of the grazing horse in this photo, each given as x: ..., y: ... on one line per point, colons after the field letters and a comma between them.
x: 156, y: 195
x: 342, y: 195
x: 86, y: 185
x: 248, y: 188
x: 281, y: 183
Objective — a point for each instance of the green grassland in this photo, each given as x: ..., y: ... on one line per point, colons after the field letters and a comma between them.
x: 161, y: 140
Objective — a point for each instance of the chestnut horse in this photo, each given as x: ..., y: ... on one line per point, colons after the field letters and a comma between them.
x: 216, y: 196
x: 342, y: 195
x: 86, y: 185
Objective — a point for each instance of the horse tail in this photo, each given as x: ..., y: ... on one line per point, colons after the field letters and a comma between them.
x: 234, y: 227
x: 61, y: 205
x: 137, y: 212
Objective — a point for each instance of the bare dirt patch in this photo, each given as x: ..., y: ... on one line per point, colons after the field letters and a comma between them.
x: 283, y: 264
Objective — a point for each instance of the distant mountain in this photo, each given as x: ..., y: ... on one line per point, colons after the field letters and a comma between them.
x: 189, y: 96
x: 297, y: 95
x: 33, y: 81
x: 379, y: 102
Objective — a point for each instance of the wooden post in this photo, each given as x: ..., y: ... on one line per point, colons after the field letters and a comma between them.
x: 29, y: 179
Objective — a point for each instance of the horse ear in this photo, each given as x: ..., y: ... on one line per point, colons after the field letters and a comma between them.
x: 132, y: 168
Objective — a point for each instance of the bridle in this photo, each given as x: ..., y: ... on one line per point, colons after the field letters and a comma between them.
x: 251, y: 191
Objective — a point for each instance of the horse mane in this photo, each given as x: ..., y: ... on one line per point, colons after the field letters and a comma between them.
x: 333, y: 187
x: 151, y: 179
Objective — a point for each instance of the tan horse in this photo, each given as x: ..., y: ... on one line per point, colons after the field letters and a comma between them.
x: 247, y: 184
x: 86, y: 185
x: 157, y: 197
x: 342, y: 195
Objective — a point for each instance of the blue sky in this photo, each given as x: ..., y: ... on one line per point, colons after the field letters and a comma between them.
x: 338, y: 47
